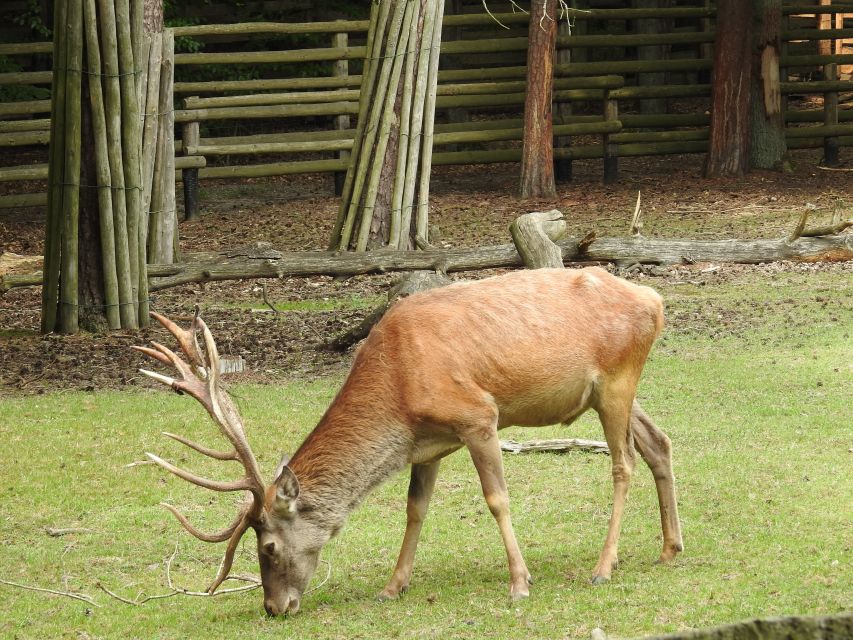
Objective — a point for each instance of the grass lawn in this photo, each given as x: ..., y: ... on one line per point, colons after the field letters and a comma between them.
x: 752, y: 381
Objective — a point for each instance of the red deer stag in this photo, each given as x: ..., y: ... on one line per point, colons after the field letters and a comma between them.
x: 444, y: 369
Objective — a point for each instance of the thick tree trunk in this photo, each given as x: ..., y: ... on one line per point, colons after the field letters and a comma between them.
x: 152, y: 16
x: 92, y: 313
x: 728, y: 147
x: 385, y: 194
x: 537, y: 157
x: 768, y: 148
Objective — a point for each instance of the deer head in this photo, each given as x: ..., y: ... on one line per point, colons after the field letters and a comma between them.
x: 288, y: 545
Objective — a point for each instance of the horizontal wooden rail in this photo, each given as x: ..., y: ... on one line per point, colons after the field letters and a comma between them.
x: 806, y: 9
x: 24, y: 107
x: 274, y: 111
x: 258, y: 57
x: 272, y: 84
x: 30, y: 124
x: 39, y: 171
x: 26, y: 77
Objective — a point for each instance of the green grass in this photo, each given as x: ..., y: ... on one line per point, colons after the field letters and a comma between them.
x: 751, y: 380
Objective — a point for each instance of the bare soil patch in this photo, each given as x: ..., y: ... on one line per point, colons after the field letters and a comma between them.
x: 470, y: 205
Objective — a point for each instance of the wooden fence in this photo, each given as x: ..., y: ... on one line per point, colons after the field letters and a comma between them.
x: 287, y: 125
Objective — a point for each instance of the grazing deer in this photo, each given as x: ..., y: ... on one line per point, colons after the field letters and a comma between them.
x: 444, y: 369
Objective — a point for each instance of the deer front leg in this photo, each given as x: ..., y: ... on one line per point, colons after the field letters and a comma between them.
x: 655, y: 448
x: 486, y: 453
x: 421, y: 486
x: 615, y: 415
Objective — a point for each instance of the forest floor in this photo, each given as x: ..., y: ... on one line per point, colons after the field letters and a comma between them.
x: 470, y: 205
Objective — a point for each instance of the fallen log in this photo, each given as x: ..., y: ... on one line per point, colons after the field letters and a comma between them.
x: 261, y: 261
x: 267, y: 263
x: 556, y: 444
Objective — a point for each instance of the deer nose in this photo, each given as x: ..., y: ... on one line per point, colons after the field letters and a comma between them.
x: 271, y: 608
x: 274, y: 608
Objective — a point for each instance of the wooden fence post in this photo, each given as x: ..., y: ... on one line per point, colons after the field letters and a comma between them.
x: 830, y: 117
x: 611, y: 160
x: 190, y: 138
x: 340, y: 70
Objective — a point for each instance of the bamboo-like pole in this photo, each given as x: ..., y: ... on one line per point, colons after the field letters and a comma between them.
x: 387, y: 120
x: 378, y: 19
x: 405, y: 134
x: 113, y: 113
x: 422, y: 220
x: 68, y: 294
x: 149, y: 128
x: 416, y: 128
x: 53, y: 225
x: 130, y: 152
x: 375, y: 112
x: 102, y: 168
x: 163, y: 222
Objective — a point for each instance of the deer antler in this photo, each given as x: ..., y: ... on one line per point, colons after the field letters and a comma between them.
x: 200, y: 378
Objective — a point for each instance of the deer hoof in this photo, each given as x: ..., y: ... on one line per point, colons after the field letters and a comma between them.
x: 597, y: 580
x: 520, y: 592
x: 390, y: 593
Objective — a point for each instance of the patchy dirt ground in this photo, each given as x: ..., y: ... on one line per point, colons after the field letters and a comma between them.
x: 470, y: 205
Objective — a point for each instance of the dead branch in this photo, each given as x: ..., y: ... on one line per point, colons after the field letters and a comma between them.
x: 636, y: 225
x: 801, y: 224
x: 828, y: 230
x: 67, y: 594
x: 558, y: 444
x: 255, y: 583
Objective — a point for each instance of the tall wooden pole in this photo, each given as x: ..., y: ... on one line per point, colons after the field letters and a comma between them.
x: 68, y: 298
x: 56, y: 170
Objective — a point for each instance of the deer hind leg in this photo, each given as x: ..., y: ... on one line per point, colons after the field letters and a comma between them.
x: 484, y: 447
x: 615, y: 413
x: 421, y: 486
x: 655, y: 448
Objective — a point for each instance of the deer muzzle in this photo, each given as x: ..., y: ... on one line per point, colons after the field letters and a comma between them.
x: 284, y: 604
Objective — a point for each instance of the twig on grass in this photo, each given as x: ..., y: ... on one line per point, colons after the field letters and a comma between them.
x: 266, y: 300
x: 56, y: 532
x: 67, y: 594
x: 175, y: 590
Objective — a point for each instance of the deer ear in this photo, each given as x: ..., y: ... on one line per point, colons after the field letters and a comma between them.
x: 281, y: 465
x: 286, y: 491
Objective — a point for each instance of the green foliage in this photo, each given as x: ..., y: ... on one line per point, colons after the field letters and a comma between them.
x: 31, y: 18
x: 751, y: 381
x: 17, y: 92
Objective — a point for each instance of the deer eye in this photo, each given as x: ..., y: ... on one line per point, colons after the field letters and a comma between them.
x: 269, y: 549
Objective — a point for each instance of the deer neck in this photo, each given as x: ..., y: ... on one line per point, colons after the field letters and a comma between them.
x: 352, y: 450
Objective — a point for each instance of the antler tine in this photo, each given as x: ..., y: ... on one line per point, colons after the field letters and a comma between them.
x: 205, y: 451
x: 185, y: 338
x: 152, y: 353
x: 174, y: 359
x: 219, y: 536
x: 228, y: 559
x: 226, y: 415
x: 214, y: 485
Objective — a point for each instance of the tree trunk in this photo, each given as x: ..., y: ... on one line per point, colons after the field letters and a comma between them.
x: 385, y: 194
x: 537, y: 156
x: 92, y: 314
x: 768, y: 148
x: 728, y: 147
x: 152, y: 16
